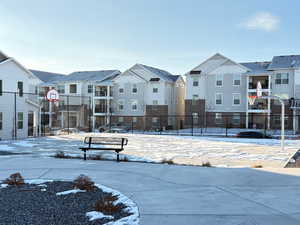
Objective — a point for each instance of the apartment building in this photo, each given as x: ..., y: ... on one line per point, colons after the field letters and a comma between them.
x: 84, y: 100
x: 19, y: 110
x: 146, y: 97
x: 218, y: 90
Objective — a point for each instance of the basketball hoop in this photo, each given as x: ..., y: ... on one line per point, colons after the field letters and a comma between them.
x: 52, y: 96
x: 251, y: 99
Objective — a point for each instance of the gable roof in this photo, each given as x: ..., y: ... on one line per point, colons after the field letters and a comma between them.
x: 285, y: 62
x: 100, y: 75
x: 47, y: 76
x: 165, y: 75
x: 213, y: 62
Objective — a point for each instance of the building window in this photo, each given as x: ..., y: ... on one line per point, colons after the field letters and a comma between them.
x: 1, y: 120
x: 236, y: 98
x: 155, y: 90
x: 61, y: 89
x: 218, y: 118
x: 155, y: 102
x: 282, y: 78
x: 90, y: 88
x: 134, y: 119
x: 219, y: 80
x: 61, y: 102
x: 20, y: 120
x: 236, y: 119
x: 134, y: 105
x: 219, y: 99
x: 277, y: 120
x: 121, y: 105
x: 1, y: 87
x: 121, y: 90
x: 73, y: 88
x: 195, y: 118
x: 154, y: 119
x: 134, y: 89
x: 195, y: 98
x: 20, y: 88
x: 236, y: 79
x: 121, y: 119
x: 195, y: 82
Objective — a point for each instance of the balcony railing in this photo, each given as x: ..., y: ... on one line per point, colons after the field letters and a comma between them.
x: 264, y: 85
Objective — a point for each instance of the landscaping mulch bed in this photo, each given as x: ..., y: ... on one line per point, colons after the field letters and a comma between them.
x: 39, y: 205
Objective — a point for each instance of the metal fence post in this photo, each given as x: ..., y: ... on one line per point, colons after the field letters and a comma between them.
x: 192, y: 125
x: 15, y: 124
x: 160, y: 128
x: 132, y: 125
x: 68, y: 114
x: 226, y: 124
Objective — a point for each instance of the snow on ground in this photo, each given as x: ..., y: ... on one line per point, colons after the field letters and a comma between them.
x: 94, y: 215
x: 219, y: 151
x: 74, y: 191
x: 131, y: 207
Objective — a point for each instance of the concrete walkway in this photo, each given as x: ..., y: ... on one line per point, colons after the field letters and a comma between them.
x: 178, y: 195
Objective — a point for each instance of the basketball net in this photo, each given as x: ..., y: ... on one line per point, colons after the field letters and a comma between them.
x: 251, y: 99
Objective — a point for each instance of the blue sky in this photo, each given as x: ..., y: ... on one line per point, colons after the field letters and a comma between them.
x: 176, y: 35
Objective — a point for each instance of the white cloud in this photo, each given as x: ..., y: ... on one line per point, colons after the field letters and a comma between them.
x: 262, y: 21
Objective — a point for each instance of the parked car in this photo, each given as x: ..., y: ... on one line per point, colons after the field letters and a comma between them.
x: 114, y: 128
x: 252, y: 134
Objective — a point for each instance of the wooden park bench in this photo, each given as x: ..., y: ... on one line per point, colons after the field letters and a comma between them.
x: 104, y: 143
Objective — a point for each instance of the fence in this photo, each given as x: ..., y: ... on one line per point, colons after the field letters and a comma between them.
x: 31, y: 115
x: 217, y: 124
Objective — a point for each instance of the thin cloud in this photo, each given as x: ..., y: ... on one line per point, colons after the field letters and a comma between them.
x: 262, y: 21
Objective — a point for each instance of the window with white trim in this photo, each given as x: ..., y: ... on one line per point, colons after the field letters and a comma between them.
x: 20, y: 120
x: 61, y: 89
x: 121, y: 90
x: 134, y: 105
x: 195, y: 82
x: 134, y: 119
x: 195, y: 118
x: 154, y: 119
x: 90, y: 88
x: 73, y: 88
x: 195, y: 98
x: 236, y: 99
x: 218, y: 118
x: 282, y: 78
x: 219, y: 80
x: 236, y: 79
x: 121, y: 105
x: 236, y: 119
x: 155, y: 90
x: 134, y: 89
x: 155, y: 102
x: 219, y: 98
x: 1, y: 120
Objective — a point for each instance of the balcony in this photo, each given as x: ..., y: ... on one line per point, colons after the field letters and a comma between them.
x: 253, y: 81
x: 260, y: 105
x: 102, y: 91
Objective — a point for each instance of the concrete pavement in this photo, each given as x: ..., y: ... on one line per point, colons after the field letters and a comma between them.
x: 177, y: 195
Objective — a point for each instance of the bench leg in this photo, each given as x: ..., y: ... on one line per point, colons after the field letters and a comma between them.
x: 84, y: 155
x: 118, y: 158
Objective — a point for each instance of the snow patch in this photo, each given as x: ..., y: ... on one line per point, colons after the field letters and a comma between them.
x: 131, y: 207
x: 74, y: 191
x: 3, y: 185
x: 94, y: 215
x: 23, y: 144
x: 37, y: 181
x: 6, y: 148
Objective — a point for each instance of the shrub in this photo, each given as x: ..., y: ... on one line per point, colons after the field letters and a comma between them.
x: 124, y: 159
x: 60, y: 154
x: 83, y: 182
x: 257, y: 166
x: 107, y: 207
x: 168, y: 161
x: 15, y: 179
x: 206, y: 164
